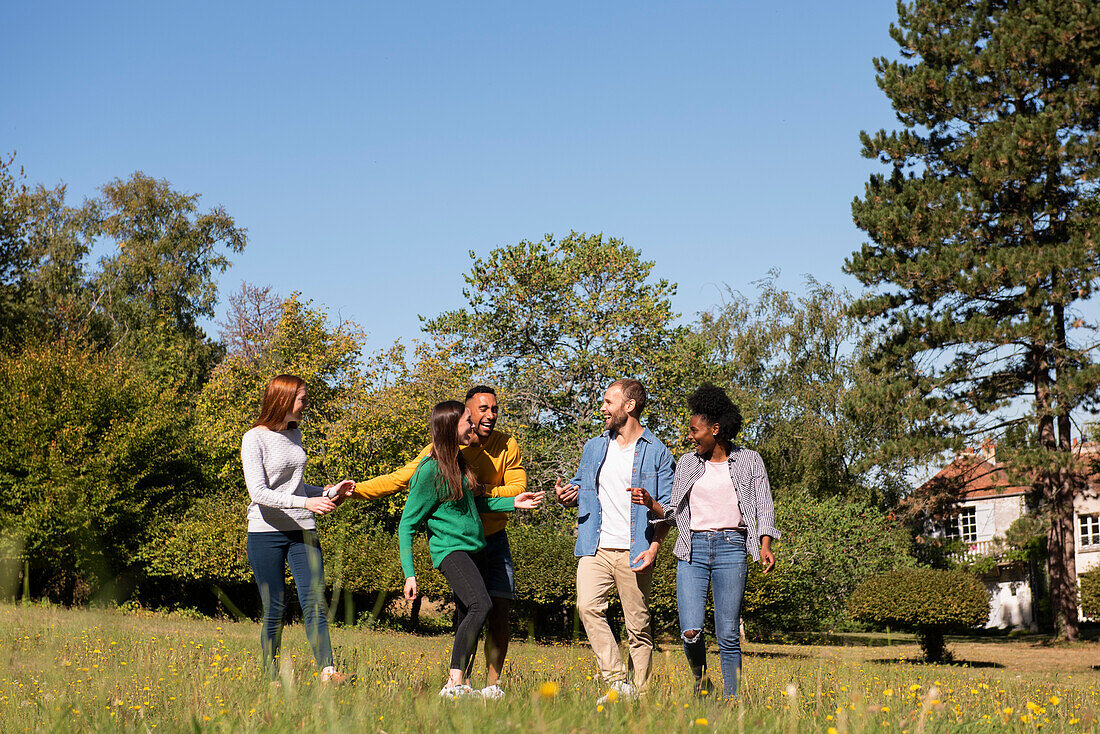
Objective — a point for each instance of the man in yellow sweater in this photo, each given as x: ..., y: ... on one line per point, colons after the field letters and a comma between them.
x: 495, y: 459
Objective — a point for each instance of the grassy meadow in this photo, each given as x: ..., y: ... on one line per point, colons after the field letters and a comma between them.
x: 70, y: 670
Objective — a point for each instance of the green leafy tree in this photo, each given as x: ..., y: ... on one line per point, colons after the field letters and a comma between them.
x: 43, y: 247
x: 160, y: 280
x: 983, y: 240
x: 793, y: 363
x: 829, y: 547
x: 553, y: 322
x: 303, y: 343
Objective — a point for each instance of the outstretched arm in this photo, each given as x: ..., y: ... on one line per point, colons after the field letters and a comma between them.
x: 387, y: 484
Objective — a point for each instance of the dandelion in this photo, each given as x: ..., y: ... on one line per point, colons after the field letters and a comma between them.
x: 701, y: 722
x: 549, y: 689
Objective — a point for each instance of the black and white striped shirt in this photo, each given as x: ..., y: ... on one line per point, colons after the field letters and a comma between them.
x: 754, y: 498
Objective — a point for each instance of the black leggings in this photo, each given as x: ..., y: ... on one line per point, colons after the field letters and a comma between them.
x: 472, y: 604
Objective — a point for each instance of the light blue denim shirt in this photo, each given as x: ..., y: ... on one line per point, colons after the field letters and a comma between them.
x: 653, y: 471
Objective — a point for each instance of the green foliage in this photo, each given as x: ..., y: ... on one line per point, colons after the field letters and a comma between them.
x: 94, y: 457
x: 793, y: 365
x: 386, y: 424
x: 828, y: 547
x: 1090, y: 593
x: 301, y: 343
x: 43, y: 244
x: 926, y: 600
x: 553, y: 322
x: 160, y: 280
x: 914, y: 598
x: 206, y: 544
x: 982, y: 239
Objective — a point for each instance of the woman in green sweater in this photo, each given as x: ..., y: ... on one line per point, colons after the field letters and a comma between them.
x: 441, y: 497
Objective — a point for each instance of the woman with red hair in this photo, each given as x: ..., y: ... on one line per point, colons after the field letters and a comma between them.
x: 281, y: 529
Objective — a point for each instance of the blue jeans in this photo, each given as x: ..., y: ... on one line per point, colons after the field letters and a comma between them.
x: 718, y: 562
x: 269, y: 553
x: 495, y: 564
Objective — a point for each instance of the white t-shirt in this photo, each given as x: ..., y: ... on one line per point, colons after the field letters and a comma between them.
x: 615, y: 478
x: 713, y: 504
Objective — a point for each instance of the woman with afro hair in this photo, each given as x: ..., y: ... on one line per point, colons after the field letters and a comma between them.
x: 722, y: 507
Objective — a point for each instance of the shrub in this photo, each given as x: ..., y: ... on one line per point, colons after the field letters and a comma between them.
x: 1090, y: 593
x: 925, y: 600
x: 828, y: 547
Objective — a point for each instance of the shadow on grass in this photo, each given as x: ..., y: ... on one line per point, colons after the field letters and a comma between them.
x: 952, y: 663
x: 776, y: 655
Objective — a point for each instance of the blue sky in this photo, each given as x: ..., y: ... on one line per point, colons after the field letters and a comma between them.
x: 367, y: 147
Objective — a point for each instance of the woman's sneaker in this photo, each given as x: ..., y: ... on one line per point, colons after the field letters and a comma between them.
x: 333, y: 676
x: 493, y: 692
x: 460, y: 691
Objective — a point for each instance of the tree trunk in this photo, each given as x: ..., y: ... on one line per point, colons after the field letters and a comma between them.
x: 1062, y: 565
x: 1060, y: 543
x: 1058, y: 487
x: 932, y: 644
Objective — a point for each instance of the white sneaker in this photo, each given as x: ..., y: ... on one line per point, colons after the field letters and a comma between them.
x: 618, y: 691
x: 459, y: 691
x: 493, y: 692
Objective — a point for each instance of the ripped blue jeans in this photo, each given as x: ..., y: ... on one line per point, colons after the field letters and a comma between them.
x: 719, y: 562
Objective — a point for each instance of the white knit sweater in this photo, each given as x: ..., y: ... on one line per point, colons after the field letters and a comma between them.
x: 274, y: 462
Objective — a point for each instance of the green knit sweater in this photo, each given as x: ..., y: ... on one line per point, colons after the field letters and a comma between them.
x: 452, y: 526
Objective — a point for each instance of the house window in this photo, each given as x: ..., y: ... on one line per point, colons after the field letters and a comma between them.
x: 1090, y: 529
x: 965, y: 526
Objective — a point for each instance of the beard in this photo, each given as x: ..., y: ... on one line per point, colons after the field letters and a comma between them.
x: 616, y: 421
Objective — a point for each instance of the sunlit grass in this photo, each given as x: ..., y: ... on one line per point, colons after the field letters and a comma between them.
x: 96, y: 670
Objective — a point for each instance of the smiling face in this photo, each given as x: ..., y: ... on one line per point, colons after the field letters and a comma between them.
x: 301, y: 402
x: 484, y: 412
x: 615, y: 409
x: 703, y: 434
x: 465, y: 428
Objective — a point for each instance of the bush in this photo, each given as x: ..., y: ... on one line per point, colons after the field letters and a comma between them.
x: 1090, y: 593
x: 928, y: 601
x: 94, y: 457
x: 828, y: 547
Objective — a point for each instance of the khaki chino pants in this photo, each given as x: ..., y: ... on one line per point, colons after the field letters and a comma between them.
x: 595, y: 577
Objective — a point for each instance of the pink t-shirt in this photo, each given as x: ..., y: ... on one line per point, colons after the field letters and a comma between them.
x: 713, y: 502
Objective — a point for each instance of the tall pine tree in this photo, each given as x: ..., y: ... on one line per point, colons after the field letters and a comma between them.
x: 983, y: 239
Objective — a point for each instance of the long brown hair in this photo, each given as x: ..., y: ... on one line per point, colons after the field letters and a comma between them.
x: 452, y: 464
x: 278, y: 401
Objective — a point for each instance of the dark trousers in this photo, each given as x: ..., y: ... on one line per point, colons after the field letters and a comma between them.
x: 472, y: 604
x: 269, y: 553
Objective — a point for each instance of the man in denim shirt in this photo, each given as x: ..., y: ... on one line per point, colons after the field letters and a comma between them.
x: 615, y: 542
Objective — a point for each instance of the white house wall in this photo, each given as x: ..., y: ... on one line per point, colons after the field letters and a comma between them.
x: 994, y: 515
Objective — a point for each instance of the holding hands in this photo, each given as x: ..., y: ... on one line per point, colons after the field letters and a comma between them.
x: 333, y: 496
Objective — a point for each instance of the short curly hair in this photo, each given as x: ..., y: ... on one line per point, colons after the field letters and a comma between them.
x: 713, y: 405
